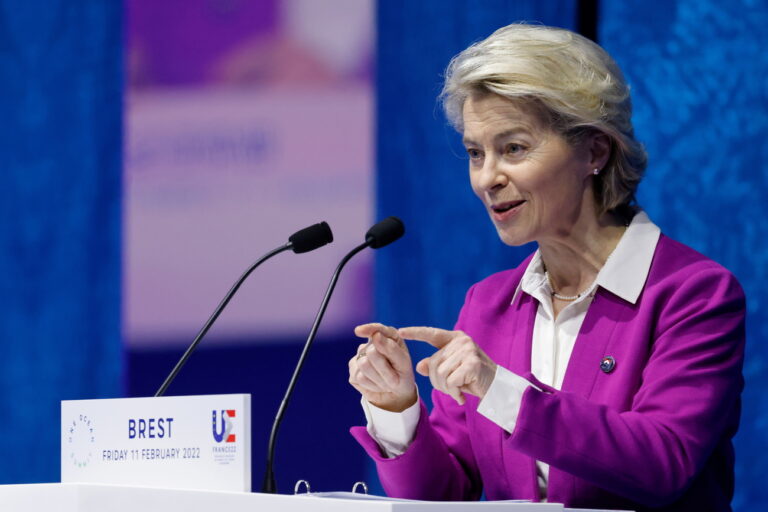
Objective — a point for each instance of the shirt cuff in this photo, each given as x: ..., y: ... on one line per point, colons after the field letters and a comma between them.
x: 393, y: 431
x: 501, y: 402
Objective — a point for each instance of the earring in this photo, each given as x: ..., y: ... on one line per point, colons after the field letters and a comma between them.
x: 596, y: 172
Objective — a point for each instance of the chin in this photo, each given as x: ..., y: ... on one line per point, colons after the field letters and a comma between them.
x: 513, y: 239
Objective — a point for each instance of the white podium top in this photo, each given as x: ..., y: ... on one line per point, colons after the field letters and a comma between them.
x: 72, y: 497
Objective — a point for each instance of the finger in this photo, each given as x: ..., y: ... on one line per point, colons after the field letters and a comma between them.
x: 358, y: 354
x: 365, y: 367
x: 367, y: 330
x: 353, y: 370
x: 434, y: 362
x: 438, y: 381
x: 397, y: 353
x: 363, y: 384
x: 444, y: 370
x: 382, y: 365
x: 460, y: 380
x: 352, y: 364
x: 357, y: 377
x: 440, y: 366
x: 432, y: 335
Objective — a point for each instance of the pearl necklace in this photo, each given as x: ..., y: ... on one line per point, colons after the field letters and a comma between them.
x: 569, y: 298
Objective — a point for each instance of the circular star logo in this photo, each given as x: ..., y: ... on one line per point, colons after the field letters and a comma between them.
x: 80, y: 438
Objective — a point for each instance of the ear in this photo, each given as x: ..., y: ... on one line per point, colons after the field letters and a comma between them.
x: 599, y: 147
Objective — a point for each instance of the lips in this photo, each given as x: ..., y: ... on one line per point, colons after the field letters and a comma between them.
x: 503, y: 211
x: 505, y: 207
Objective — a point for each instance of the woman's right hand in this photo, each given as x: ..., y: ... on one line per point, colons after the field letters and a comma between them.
x: 381, y: 370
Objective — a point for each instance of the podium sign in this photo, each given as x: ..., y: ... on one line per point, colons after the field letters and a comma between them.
x: 183, y: 442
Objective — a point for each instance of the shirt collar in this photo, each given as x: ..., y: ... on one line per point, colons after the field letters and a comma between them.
x: 533, y: 277
x: 624, y: 273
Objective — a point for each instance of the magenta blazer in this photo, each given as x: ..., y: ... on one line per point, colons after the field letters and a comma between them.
x: 655, y: 432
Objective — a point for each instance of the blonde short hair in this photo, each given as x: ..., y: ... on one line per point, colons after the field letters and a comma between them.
x: 571, y: 80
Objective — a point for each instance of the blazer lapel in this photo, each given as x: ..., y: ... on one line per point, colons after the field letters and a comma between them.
x: 605, y: 313
x: 521, y: 318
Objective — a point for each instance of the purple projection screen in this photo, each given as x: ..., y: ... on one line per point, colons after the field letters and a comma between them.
x: 246, y: 121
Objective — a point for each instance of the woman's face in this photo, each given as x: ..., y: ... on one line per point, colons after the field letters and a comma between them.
x: 534, y: 184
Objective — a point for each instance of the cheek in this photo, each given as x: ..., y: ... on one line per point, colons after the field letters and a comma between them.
x: 475, y: 186
x: 553, y: 187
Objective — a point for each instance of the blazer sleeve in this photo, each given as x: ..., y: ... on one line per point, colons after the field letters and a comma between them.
x: 687, y: 402
x: 439, y: 464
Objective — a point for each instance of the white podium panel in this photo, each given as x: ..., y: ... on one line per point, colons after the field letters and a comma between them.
x: 109, y: 498
x: 112, y: 498
x: 183, y: 442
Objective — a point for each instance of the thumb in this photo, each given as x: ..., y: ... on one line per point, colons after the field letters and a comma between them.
x: 422, y: 367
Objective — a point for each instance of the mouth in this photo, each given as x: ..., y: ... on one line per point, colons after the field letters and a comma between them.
x: 506, y: 206
x: 502, y: 211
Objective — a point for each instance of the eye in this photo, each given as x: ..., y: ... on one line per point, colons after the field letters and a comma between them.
x: 474, y: 154
x: 514, y: 149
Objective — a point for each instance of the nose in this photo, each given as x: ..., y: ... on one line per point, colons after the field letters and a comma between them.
x: 491, y: 177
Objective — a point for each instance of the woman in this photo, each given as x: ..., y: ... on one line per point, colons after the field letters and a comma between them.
x: 605, y: 370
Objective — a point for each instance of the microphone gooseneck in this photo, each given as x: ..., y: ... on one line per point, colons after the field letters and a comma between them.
x: 381, y: 234
x: 305, y: 240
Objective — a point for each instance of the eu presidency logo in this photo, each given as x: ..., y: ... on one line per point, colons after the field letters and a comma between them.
x: 222, y: 430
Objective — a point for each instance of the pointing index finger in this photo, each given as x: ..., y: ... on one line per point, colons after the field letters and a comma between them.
x: 436, y: 337
x: 368, y: 330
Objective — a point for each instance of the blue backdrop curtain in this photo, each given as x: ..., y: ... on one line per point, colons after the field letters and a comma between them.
x: 697, y: 70
x: 60, y: 141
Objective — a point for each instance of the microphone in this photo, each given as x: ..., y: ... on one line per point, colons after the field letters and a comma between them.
x: 385, y: 232
x: 304, y: 240
x: 310, y: 238
x: 381, y: 234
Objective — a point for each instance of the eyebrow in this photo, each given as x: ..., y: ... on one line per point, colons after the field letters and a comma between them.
x: 501, y: 135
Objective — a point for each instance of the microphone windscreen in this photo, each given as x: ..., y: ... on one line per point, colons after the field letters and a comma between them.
x: 310, y: 238
x: 385, y: 232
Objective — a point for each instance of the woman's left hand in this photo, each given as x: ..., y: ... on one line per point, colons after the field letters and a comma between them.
x: 459, y: 366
